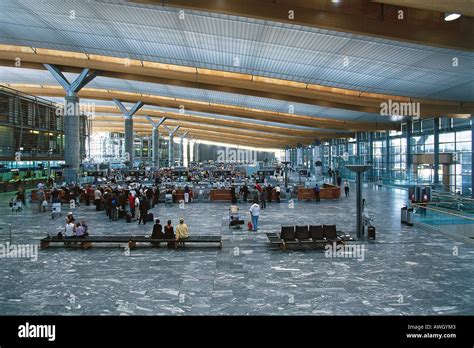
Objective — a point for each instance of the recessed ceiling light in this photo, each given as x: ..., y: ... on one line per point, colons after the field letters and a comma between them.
x: 448, y: 17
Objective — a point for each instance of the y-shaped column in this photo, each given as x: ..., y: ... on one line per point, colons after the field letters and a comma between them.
x: 181, y: 148
x: 155, y: 136
x: 171, y: 145
x: 72, y: 151
x: 189, y: 149
x: 129, y: 128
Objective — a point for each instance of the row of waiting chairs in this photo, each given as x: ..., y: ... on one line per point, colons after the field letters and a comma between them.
x: 311, y: 233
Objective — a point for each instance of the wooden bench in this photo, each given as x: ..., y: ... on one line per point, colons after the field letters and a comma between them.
x: 314, y: 235
x: 86, y: 243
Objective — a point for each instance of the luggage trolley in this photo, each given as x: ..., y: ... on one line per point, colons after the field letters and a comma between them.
x: 55, y: 210
x: 168, y: 198
x: 16, y: 205
x: 234, y: 217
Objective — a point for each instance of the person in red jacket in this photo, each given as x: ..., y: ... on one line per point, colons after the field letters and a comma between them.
x: 131, y: 203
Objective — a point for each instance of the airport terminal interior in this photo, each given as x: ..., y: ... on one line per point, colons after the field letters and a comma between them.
x: 263, y: 157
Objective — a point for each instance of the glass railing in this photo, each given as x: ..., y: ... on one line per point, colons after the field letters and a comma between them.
x: 456, y: 223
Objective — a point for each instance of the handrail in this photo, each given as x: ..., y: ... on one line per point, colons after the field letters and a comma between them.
x: 446, y: 202
x: 442, y: 211
x: 449, y: 194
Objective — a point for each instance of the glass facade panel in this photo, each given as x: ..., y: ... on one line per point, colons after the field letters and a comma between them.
x: 455, y: 160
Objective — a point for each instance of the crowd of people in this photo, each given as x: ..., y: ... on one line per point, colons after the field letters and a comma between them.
x: 134, y: 199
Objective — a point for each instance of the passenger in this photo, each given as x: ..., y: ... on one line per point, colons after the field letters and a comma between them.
x: 254, y: 213
x: 181, y: 230
x: 143, y: 210
x: 69, y: 217
x: 233, y: 196
x: 186, y: 194
x: 79, y: 231
x: 245, y: 192
x: 317, y: 193
x: 174, y: 195
x: 136, y: 207
x: 131, y: 204
x: 89, y: 193
x: 85, y: 227
x: 263, y: 198
x: 114, y: 207
x: 169, y: 234
x: 346, y: 188
x: 55, y: 196
x: 157, y: 232
x: 41, y: 197
x: 149, y: 197
x: 69, y: 231
x: 277, y: 192
x: 269, y: 193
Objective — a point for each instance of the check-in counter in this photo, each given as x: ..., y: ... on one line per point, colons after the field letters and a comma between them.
x: 327, y: 191
x: 180, y: 194
x: 221, y: 195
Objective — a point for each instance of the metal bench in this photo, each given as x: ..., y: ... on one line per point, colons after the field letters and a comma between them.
x: 86, y: 242
x: 315, y: 235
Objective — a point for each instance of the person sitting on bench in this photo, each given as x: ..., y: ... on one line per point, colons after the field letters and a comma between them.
x: 181, y: 230
x: 79, y: 231
x: 169, y: 234
x: 69, y: 230
x: 69, y: 217
x: 157, y: 232
x: 85, y: 227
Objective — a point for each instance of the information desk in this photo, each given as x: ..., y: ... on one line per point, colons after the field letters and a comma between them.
x: 327, y: 191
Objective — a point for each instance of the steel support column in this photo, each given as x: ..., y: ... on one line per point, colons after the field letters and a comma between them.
x: 436, y: 151
x: 171, y: 145
x: 72, y: 141
x: 409, y: 161
x: 128, y: 115
x: 155, y: 134
x: 371, y: 156
x: 472, y: 157
x: 181, y: 148
x: 387, y: 154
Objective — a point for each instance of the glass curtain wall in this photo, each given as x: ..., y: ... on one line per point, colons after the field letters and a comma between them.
x: 455, y: 155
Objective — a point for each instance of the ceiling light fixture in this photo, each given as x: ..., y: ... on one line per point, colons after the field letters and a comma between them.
x: 448, y: 17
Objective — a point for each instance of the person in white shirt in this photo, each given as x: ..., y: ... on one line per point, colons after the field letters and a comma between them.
x: 254, y: 213
x: 97, y: 198
x: 137, y: 205
x: 69, y: 231
x: 277, y: 191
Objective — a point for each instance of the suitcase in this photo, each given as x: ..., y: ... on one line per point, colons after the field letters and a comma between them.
x: 128, y: 217
x: 150, y: 217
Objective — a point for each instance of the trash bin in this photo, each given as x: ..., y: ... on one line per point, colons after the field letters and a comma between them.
x: 403, y: 215
x: 410, y: 216
x: 371, y: 232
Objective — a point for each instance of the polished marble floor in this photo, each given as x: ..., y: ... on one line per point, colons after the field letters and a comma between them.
x: 406, y: 270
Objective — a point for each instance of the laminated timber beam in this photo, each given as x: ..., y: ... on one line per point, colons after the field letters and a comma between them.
x: 215, y: 80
